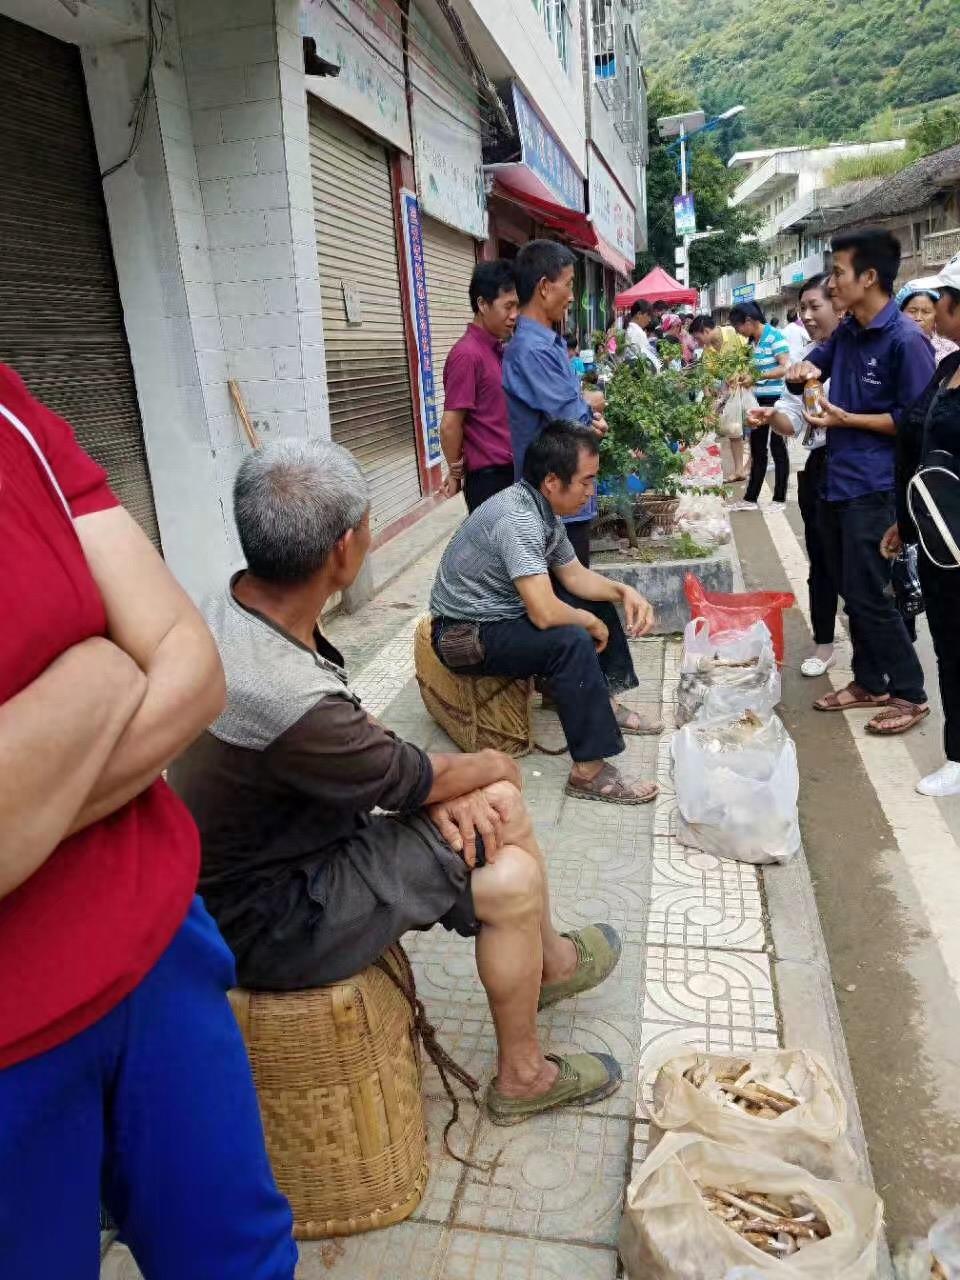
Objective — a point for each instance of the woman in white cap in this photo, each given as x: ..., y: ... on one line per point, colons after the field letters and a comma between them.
x: 920, y: 304
x: 930, y: 437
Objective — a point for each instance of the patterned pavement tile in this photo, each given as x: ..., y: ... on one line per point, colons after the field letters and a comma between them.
x: 726, y: 991
x: 698, y: 900
x: 409, y: 1251
x: 475, y: 1255
x: 445, y: 1172
x: 558, y: 1177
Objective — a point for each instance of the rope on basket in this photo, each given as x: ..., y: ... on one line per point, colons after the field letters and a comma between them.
x: 440, y: 1059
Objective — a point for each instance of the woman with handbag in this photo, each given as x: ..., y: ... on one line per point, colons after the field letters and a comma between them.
x: 928, y: 512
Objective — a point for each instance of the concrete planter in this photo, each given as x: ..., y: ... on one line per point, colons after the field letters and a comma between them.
x: 662, y: 583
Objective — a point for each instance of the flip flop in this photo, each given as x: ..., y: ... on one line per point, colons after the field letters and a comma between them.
x: 608, y: 786
x: 583, y: 1078
x: 858, y: 698
x: 897, y: 709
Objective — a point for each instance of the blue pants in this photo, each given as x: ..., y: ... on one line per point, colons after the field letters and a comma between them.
x: 153, y: 1107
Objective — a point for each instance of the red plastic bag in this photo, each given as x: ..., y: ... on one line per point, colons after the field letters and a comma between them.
x: 739, y: 610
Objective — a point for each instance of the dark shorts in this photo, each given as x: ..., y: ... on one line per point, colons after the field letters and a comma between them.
x: 334, y: 916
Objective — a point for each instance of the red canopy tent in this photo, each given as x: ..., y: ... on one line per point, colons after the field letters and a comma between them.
x: 657, y: 286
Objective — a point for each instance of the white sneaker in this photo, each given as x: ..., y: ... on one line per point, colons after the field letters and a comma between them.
x: 816, y: 666
x: 745, y: 506
x: 945, y: 782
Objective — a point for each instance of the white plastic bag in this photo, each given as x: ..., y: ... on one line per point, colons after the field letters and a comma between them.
x: 914, y: 1260
x: 737, y: 784
x: 704, y: 517
x: 733, y: 415
x: 668, y: 1233
x: 726, y: 673
x: 812, y: 1134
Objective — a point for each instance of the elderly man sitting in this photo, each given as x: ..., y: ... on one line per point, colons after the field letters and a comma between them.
x: 307, y: 883
x: 512, y: 599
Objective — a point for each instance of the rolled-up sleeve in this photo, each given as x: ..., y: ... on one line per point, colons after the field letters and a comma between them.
x: 342, y: 756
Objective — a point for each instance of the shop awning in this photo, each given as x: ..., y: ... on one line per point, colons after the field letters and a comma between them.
x: 521, y: 186
x: 657, y: 286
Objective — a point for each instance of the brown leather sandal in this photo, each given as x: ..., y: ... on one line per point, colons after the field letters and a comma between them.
x: 859, y: 697
x: 897, y: 709
x: 607, y: 785
x: 646, y: 727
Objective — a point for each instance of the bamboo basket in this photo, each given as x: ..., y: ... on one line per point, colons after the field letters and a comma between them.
x: 339, y: 1082
x: 476, y: 711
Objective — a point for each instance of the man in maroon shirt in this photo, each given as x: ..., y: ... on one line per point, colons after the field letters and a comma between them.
x: 475, y: 428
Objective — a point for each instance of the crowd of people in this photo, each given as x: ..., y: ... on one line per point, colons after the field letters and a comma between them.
x: 146, y: 750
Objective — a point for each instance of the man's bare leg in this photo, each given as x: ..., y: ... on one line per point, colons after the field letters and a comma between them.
x: 508, y: 896
x: 559, y: 953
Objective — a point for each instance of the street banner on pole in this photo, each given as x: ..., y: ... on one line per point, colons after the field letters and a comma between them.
x: 684, y: 215
x: 417, y: 276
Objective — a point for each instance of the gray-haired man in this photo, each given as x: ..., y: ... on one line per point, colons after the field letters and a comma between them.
x: 307, y: 883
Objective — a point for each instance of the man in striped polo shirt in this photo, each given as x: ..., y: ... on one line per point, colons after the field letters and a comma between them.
x: 512, y: 599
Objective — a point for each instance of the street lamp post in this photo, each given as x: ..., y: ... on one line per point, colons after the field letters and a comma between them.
x: 683, y: 127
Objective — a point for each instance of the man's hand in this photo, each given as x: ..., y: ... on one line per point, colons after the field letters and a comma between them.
x: 891, y: 544
x: 829, y: 415
x: 638, y: 612
x: 599, y: 425
x: 595, y: 399
x: 451, y: 485
x: 597, y: 630
x: 802, y: 371
x: 759, y: 417
x: 460, y: 821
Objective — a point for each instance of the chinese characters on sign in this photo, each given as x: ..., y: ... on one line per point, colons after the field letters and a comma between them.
x: 684, y: 215
x: 417, y: 277
x: 449, y: 168
x: 611, y: 212
x: 744, y: 292
x: 542, y: 153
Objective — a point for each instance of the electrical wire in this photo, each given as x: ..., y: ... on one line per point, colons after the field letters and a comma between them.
x: 138, y: 119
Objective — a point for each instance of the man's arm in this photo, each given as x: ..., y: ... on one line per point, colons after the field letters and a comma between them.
x: 583, y: 582
x: 56, y: 736
x: 152, y: 620
x: 831, y: 415
x: 451, y: 437
x: 542, y: 380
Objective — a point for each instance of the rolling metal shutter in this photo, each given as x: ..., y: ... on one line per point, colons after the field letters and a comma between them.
x: 449, y: 257
x: 371, y: 410
x: 61, y: 322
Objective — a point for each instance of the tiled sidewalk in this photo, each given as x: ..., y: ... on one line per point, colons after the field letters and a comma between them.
x: 694, y: 972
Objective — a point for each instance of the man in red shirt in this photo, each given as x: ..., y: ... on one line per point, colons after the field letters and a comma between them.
x: 122, y: 1071
x: 475, y: 427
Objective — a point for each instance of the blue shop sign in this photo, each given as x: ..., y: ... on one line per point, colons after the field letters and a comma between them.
x: 744, y: 292
x: 543, y: 154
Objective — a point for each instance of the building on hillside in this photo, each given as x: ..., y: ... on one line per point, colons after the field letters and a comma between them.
x: 790, y: 187
x: 920, y: 205
x: 291, y: 194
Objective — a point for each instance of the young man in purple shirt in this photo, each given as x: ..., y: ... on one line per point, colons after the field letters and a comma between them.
x: 475, y: 428
x: 878, y: 363
x: 541, y: 386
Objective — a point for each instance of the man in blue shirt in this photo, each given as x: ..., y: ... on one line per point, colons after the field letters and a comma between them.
x: 878, y: 363
x: 539, y: 382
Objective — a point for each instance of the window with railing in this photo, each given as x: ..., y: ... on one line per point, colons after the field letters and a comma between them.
x: 605, y: 51
x: 556, y: 19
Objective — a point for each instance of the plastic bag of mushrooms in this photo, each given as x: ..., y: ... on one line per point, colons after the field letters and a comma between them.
x: 697, y: 1209
x: 782, y: 1102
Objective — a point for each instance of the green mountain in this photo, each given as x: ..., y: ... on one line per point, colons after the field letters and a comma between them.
x: 806, y: 70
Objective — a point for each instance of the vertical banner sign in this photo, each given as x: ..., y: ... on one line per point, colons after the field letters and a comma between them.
x: 417, y: 276
x: 684, y: 215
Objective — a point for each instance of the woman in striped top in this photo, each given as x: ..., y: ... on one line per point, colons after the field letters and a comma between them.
x: 771, y: 356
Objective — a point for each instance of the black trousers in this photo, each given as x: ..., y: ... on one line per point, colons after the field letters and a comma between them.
x: 483, y: 483
x: 761, y: 445
x: 884, y: 659
x: 579, y: 679
x: 941, y: 595
x: 823, y: 594
x: 579, y: 535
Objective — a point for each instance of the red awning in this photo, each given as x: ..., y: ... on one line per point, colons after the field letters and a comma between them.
x: 657, y: 286
x: 519, y: 185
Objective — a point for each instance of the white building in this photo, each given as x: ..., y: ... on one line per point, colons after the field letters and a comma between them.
x: 791, y: 188
x: 184, y: 204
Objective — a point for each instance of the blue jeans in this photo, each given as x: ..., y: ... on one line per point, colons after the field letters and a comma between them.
x: 154, y: 1107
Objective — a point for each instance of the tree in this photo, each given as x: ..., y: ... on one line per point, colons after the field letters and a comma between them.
x: 934, y: 131
x: 711, y: 183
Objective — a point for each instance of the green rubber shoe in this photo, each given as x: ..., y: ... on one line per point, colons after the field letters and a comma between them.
x: 598, y: 948
x: 583, y: 1078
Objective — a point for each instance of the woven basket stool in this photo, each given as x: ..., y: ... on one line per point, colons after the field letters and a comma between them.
x: 476, y: 711
x: 339, y: 1081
